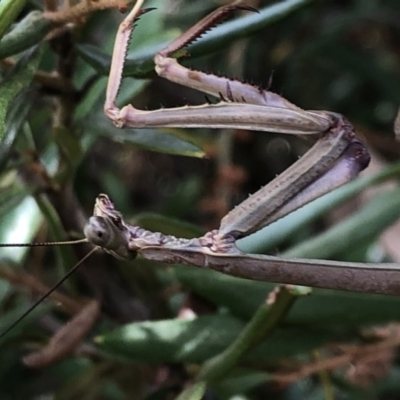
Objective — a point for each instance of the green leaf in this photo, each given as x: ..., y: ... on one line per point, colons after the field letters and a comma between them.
x: 194, y: 392
x: 241, y: 296
x: 20, y: 218
x: 15, y: 119
x: 171, y: 340
x: 28, y: 32
x: 149, y: 139
x: 70, y: 147
x: 261, y: 326
x: 197, y: 340
x: 326, y: 308
x: 9, y: 10
x: 92, y: 103
x: 18, y: 79
x: 4, y: 288
x: 240, y: 381
x: 295, y: 341
x: 364, y: 225
x: 321, y: 308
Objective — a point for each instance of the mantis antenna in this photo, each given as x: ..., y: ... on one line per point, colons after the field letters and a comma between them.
x: 56, y: 285
x: 84, y: 240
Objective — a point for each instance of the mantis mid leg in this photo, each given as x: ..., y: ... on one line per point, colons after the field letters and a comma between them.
x: 292, y: 190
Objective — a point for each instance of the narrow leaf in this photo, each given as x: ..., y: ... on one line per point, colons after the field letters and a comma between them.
x: 365, y: 225
x: 28, y: 32
x: 9, y: 10
x: 149, y: 139
x: 323, y: 307
x: 180, y: 340
x: 18, y: 79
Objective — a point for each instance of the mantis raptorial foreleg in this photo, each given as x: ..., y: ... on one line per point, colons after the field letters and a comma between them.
x: 336, y: 157
x: 243, y: 106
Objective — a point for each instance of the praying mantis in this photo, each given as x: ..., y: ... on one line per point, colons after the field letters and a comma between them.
x: 336, y: 157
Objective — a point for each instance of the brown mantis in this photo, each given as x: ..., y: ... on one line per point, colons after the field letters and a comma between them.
x: 336, y: 157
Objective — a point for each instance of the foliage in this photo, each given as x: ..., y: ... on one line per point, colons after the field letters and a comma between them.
x: 58, y: 151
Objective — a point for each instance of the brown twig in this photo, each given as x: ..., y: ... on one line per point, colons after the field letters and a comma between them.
x: 84, y: 9
x: 67, y: 339
x: 30, y: 282
x: 352, y: 354
x: 50, y: 5
x: 49, y: 80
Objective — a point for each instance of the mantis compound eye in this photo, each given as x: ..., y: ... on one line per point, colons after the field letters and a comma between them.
x: 97, y: 231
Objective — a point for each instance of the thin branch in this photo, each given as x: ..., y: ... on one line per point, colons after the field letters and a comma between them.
x: 365, y: 353
x: 49, y: 80
x: 265, y: 320
x: 50, y: 5
x: 30, y: 282
x: 83, y: 9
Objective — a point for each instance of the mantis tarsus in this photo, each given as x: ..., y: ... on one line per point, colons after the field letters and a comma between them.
x: 336, y: 157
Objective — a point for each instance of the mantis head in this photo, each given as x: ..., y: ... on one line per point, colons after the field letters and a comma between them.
x: 107, y: 229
